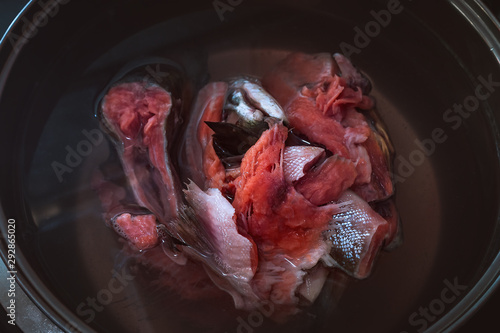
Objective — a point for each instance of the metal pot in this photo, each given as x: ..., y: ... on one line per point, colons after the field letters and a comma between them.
x: 436, y: 77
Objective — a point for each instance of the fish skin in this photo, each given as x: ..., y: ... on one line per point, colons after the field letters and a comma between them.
x: 235, y: 256
x: 236, y: 102
x: 356, y: 236
x: 298, y: 159
x: 313, y: 283
x: 199, y: 152
x: 387, y: 209
x: 252, y: 95
x: 236, y: 253
x: 263, y: 101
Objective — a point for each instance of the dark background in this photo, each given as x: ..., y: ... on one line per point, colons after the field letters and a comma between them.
x: 485, y: 320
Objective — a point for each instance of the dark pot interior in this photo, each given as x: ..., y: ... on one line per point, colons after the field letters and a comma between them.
x: 420, y: 65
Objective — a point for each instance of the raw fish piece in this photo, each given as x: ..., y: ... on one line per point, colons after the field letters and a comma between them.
x: 387, y: 209
x: 380, y: 186
x: 235, y: 256
x: 286, y: 227
x: 349, y: 73
x: 278, y: 178
x: 313, y: 283
x: 140, y: 230
x: 297, y: 70
x: 356, y: 236
x: 326, y: 182
x: 307, y: 119
x: 323, y: 103
x: 297, y: 160
x: 252, y: 102
x: 207, y: 167
x: 136, y: 113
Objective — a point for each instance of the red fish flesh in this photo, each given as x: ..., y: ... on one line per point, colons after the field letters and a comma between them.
x: 287, y: 179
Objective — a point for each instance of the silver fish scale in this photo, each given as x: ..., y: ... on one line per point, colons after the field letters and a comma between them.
x: 348, y: 237
x: 251, y: 101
